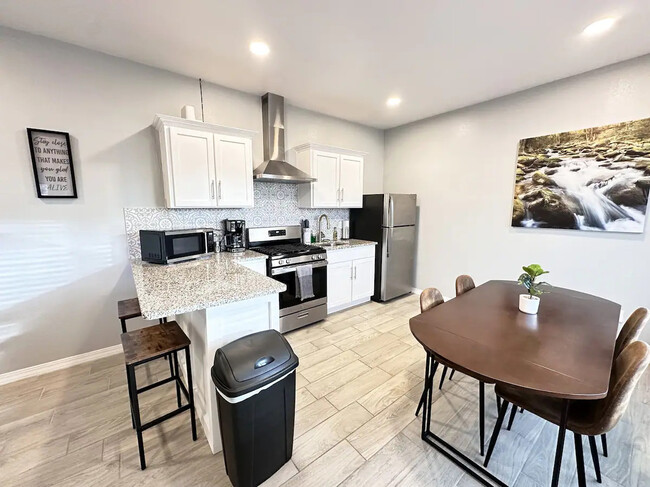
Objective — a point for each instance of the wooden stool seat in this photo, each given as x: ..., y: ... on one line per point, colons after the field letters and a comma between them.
x: 128, y: 308
x: 146, y: 344
x: 152, y: 342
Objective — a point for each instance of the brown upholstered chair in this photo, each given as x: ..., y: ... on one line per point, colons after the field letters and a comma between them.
x: 430, y: 298
x: 631, y: 330
x: 589, y: 418
x: 464, y: 283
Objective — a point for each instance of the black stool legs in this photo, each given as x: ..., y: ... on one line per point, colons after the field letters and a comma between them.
x: 187, y: 392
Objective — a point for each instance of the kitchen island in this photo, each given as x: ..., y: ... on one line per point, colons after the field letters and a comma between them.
x: 215, y: 300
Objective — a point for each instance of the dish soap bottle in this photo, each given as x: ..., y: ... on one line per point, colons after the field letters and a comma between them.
x: 334, y: 234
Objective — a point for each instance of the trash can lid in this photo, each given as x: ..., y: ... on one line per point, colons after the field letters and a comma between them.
x: 252, y: 362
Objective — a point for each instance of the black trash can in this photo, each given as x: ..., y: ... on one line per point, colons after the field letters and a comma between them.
x: 255, y: 380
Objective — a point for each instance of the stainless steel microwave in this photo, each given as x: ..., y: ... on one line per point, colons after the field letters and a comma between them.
x: 169, y: 246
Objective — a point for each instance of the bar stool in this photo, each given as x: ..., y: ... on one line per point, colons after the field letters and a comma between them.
x: 146, y: 344
x: 130, y: 308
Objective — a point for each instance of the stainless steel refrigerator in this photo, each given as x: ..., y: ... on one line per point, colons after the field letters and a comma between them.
x: 389, y: 220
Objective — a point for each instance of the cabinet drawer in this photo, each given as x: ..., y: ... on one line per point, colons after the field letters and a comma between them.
x: 344, y: 255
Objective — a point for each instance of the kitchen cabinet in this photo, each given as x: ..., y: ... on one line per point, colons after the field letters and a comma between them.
x: 339, y: 285
x: 350, y: 276
x: 205, y: 165
x: 338, y: 173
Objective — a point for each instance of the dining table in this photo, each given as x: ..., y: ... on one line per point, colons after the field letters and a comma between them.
x: 564, y: 351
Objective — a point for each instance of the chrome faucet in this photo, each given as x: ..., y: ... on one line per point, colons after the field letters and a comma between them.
x: 321, y: 235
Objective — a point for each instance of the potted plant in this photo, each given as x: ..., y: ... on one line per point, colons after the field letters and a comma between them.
x: 529, y: 303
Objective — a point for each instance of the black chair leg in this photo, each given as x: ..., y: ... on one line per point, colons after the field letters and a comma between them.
x: 603, y: 440
x: 451, y: 376
x: 495, y: 432
x: 481, y: 415
x: 135, y: 406
x: 580, y: 460
x: 513, y: 412
x: 123, y: 323
x: 594, y: 458
x: 130, y: 397
x: 190, y: 389
x: 177, y: 375
x: 442, y: 379
x: 559, y: 449
x: 498, y: 405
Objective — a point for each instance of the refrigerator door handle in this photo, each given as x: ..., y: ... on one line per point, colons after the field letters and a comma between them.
x: 391, y: 211
x: 388, y: 245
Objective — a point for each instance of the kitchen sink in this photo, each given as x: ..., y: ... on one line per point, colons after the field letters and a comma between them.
x: 331, y: 243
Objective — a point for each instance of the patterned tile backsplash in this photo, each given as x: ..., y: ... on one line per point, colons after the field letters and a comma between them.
x: 275, y: 204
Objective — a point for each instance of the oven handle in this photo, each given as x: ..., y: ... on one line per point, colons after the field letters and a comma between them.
x: 285, y: 270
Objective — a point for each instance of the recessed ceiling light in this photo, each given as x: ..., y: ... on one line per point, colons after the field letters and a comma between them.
x: 599, y: 27
x: 393, y: 101
x: 259, y: 48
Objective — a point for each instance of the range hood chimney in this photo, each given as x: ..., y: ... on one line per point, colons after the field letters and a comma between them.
x: 275, y: 168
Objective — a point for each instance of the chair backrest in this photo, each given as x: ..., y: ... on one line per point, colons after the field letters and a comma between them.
x: 631, y: 330
x: 430, y: 298
x: 628, y: 368
x: 464, y: 283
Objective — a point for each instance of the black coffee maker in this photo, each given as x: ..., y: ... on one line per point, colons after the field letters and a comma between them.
x: 233, y: 239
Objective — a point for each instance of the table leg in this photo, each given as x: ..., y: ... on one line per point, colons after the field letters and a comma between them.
x: 560, y: 444
x: 427, y: 366
x: 482, y: 475
x: 481, y: 415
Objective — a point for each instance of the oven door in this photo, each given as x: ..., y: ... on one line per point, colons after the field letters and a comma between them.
x: 185, y: 245
x: 289, y: 300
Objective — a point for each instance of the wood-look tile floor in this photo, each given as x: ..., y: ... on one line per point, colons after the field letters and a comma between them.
x: 359, y: 381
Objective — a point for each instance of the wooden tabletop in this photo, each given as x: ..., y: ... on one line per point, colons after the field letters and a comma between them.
x: 565, y: 351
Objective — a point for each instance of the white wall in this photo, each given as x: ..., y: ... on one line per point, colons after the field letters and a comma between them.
x: 462, y: 166
x: 63, y: 264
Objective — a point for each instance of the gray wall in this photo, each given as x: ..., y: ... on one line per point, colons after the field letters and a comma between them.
x: 63, y: 264
x: 462, y: 166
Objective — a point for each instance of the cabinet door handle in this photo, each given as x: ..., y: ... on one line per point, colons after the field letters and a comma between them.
x: 338, y: 195
x: 212, y: 190
x: 351, y: 273
x: 342, y: 189
x: 355, y: 272
x: 219, y: 190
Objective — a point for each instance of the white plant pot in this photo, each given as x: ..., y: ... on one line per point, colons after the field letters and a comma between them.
x: 528, y: 304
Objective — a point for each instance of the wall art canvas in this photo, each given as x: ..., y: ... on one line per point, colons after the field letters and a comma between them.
x: 593, y: 179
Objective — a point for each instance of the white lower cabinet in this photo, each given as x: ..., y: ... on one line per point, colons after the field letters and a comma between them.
x: 339, y: 285
x: 350, y: 277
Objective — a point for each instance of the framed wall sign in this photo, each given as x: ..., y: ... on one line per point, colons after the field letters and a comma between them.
x: 52, y: 162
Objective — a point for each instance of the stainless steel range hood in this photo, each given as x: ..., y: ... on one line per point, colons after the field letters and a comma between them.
x: 275, y: 168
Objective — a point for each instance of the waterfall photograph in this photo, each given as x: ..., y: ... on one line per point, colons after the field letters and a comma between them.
x: 594, y: 179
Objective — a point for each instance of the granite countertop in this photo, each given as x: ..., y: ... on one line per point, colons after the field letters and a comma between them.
x: 165, y: 290
x: 345, y: 244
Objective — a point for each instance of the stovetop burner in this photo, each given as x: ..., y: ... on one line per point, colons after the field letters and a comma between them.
x: 292, y: 249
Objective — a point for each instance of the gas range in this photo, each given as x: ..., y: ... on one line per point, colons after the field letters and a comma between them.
x: 287, y: 257
x: 292, y: 253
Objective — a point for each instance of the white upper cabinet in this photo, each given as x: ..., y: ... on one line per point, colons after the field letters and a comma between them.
x: 205, y: 165
x: 351, y: 181
x: 338, y: 173
x: 326, y: 170
x: 192, y: 168
x: 234, y: 171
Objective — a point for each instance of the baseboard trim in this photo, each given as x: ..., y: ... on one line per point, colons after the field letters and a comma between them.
x: 64, y: 363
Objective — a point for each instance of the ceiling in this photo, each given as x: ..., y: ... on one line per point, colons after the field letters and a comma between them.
x: 346, y: 57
